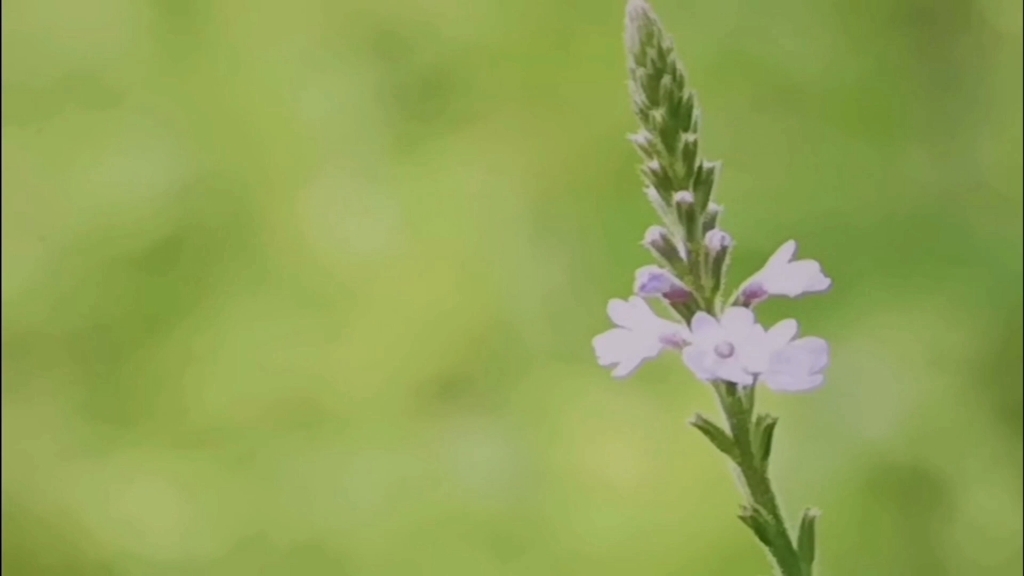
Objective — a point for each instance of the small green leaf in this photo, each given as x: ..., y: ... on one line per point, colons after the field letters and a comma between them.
x: 806, y: 538
x: 720, y: 438
x: 759, y: 524
x: 764, y: 433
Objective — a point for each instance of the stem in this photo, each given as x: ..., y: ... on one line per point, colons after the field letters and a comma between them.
x: 738, y: 408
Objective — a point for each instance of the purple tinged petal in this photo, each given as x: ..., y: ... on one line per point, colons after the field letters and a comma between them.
x: 783, y: 255
x: 703, y: 325
x: 700, y: 361
x: 780, y: 334
x: 738, y: 319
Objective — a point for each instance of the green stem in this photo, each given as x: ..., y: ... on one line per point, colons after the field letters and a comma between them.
x: 738, y: 408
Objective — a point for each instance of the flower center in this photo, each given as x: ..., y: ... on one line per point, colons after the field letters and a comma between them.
x: 724, y: 350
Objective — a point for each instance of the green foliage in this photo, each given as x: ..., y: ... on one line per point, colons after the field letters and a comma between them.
x: 307, y: 287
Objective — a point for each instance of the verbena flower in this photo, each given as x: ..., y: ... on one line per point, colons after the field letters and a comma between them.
x: 640, y: 336
x: 724, y: 349
x: 780, y: 276
x: 721, y: 340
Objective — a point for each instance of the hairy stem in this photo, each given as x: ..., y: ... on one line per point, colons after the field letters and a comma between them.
x: 738, y: 408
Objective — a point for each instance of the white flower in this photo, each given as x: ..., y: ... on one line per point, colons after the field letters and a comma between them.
x: 798, y: 366
x: 780, y: 276
x: 731, y: 349
x: 640, y: 336
x: 739, y: 350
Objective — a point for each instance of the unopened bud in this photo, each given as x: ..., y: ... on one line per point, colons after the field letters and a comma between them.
x: 684, y: 199
x: 686, y: 212
x: 704, y: 181
x: 656, y: 175
x: 644, y: 142
x: 711, y: 217
x: 654, y: 197
x: 716, y: 241
x: 654, y: 281
x: 658, y: 240
x: 718, y: 244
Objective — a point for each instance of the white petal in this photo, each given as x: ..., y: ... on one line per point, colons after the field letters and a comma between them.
x: 783, y: 255
x: 816, y: 351
x: 780, y: 334
x: 619, y: 312
x: 783, y: 382
x: 701, y: 361
x: 609, y: 346
x: 734, y: 372
x: 736, y: 319
x: 703, y: 325
x: 633, y: 313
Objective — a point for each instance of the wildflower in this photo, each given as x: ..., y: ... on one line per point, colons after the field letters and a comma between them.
x: 726, y: 349
x: 640, y: 335
x: 780, y: 276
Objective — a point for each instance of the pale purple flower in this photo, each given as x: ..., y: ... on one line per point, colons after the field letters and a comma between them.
x: 798, y: 366
x: 781, y: 276
x: 729, y: 348
x: 640, y: 335
x: 655, y: 282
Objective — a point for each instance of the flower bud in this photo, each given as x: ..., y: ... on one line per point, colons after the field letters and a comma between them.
x: 716, y: 241
x: 654, y: 281
x: 719, y: 245
x: 664, y: 247
x: 644, y: 142
x: 704, y: 181
x: 686, y: 212
x: 656, y: 175
x: 654, y: 197
x: 711, y: 217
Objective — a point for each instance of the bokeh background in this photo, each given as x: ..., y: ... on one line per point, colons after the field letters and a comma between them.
x: 308, y: 287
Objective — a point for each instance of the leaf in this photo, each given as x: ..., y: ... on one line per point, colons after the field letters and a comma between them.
x: 720, y: 438
x: 764, y: 433
x: 759, y: 524
x: 806, y: 538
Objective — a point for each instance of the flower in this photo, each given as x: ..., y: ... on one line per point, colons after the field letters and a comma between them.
x: 640, y: 335
x: 798, y: 366
x: 732, y: 348
x: 717, y: 240
x: 780, y: 276
x: 739, y: 350
x: 654, y: 282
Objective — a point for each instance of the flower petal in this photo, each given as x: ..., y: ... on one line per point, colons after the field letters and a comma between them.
x: 703, y: 325
x: 700, y: 361
x: 780, y: 334
x: 816, y: 350
x: 737, y: 319
x: 782, y: 256
x: 633, y: 313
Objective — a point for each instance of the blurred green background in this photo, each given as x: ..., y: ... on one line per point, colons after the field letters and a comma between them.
x: 308, y: 287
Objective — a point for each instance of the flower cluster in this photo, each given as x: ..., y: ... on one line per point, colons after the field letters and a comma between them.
x: 732, y: 347
x: 718, y: 338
